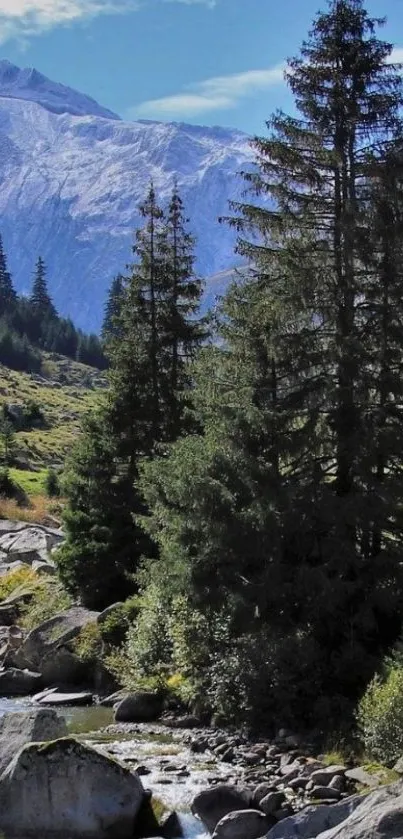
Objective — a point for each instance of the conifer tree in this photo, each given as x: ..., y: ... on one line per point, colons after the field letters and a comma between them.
x: 40, y: 299
x: 8, y: 296
x: 183, y: 331
x: 110, y: 326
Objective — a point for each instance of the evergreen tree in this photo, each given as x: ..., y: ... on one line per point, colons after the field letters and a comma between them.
x: 284, y: 503
x: 8, y: 296
x: 183, y: 331
x: 40, y: 299
x: 110, y: 326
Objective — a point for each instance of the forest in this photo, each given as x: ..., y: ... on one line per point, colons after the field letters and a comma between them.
x: 241, y: 484
x: 31, y: 324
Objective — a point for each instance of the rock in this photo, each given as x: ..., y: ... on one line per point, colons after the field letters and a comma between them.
x: 300, y: 782
x: 338, y: 782
x: 29, y: 543
x: 322, y: 777
x: 398, y: 767
x: 171, y: 827
x: 243, y: 824
x: 113, y: 698
x: 326, y: 793
x: 143, y: 706
x: 211, y: 805
x: 379, y: 816
x: 8, y: 614
x: 45, y: 646
x: 271, y: 802
x: 15, y: 682
x: 66, y: 699
x: 312, y: 821
x: 261, y: 791
x: 360, y: 775
x: 18, y: 729
x: 65, y: 788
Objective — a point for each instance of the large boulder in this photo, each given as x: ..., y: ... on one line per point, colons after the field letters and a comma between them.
x: 243, y: 824
x: 45, y: 648
x: 211, y: 805
x: 142, y: 706
x: 68, y: 789
x: 15, y: 682
x: 18, y: 729
x: 312, y: 821
x: 28, y: 543
x: 379, y: 816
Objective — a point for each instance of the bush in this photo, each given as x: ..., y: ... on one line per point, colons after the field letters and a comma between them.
x: 50, y: 598
x: 380, y: 716
x: 52, y: 484
x: 21, y: 578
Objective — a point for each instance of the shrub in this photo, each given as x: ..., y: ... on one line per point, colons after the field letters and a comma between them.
x: 52, y: 483
x: 88, y: 644
x: 50, y: 598
x: 380, y: 715
x: 22, y: 577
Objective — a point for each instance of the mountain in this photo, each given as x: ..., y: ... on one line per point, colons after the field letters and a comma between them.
x: 72, y: 175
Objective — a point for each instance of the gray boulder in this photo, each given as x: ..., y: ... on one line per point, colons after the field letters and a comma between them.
x: 322, y: 777
x: 143, y: 706
x: 244, y: 824
x: 8, y: 614
x: 68, y: 789
x: 312, y: 821
x: 211, y: 805
x: 15, y: 682
x: 18, y: 729
x: 29, y: 543
x: 379, y: 816
x: 45, y: 647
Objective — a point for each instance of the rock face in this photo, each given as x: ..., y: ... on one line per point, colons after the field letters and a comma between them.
x: 212, y: 805
x: 22, y: 544
x: 143, y: 706
x: 244, y: 824
x: 18, y: 729
x: 15, y: 682
x: 66, y: 789
x: 379, y: 816
x: 312, y: 821
x: 45, y: 649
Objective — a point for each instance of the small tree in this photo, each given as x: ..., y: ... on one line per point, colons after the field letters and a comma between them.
x: 8, y: 440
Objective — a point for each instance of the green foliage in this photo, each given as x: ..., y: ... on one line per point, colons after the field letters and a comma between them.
x: 52, y: 483
x: 88, y: 644
x: 23, y: 578
x: 8, y: 487
x: 380, y: 715
x: 8, y: 440
x: 50, y: 598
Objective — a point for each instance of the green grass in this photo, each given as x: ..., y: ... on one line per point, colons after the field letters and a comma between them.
x: 65, y: 392
x: 32, y: 483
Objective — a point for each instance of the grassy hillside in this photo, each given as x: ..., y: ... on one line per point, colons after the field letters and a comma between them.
x: 63, y: 392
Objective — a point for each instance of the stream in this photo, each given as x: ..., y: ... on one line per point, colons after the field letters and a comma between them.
x: 167, y: 766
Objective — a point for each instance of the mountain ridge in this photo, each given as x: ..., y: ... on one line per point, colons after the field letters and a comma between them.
x: 71, y: 184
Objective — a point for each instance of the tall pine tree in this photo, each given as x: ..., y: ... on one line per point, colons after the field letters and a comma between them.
x: 110, y: 325
x: 8, y: 296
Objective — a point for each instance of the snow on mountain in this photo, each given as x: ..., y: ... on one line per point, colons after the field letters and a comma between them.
x: 30, y: 85
x: 72, y: 176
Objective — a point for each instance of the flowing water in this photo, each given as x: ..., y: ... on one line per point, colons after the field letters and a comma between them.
x: 171, y: 771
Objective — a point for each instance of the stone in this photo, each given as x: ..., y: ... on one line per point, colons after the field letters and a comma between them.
x: 379, y: 816
x: 45, y: 647
x: 312, y: 821
x: 19, y: 728
x: 211, y: 805
x: 103, y: 616
x: 261, y: 791
x: 322, y: 777
x: 360, y: 775
x: 325, y: 793
x: 67, y: 699
x: 113, y: 698
x: 243, y: 824
x: 398, y: 767
x: 8, y: 614
x: 300, y: 782
x: 143, y: 706
x: 67, y: 789
x: 15, y: 682
x: 271, y: 802
x: 338, y: 782
x: 29, y: 543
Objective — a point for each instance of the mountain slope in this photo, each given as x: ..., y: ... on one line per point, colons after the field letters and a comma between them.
x: 71, y: 184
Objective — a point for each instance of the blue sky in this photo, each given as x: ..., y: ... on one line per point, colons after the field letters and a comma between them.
x: 212, y: 62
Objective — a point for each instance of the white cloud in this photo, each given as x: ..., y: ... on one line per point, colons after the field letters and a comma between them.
x: 22, y: 18
x: 217, y: 93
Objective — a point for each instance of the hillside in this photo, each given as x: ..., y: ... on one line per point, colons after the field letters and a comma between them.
x: 72, y: 178
x: 64, y: 392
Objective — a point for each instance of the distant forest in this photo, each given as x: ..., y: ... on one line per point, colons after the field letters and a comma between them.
x: 31, y: 324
